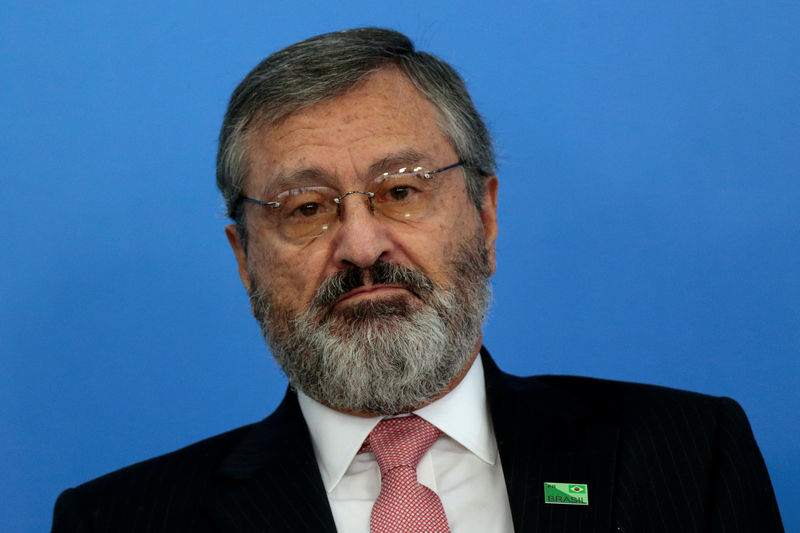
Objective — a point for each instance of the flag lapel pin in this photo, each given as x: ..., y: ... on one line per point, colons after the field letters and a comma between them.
x: 566, y: 493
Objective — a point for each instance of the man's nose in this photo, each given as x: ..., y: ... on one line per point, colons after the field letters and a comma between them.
x: 361, y: 238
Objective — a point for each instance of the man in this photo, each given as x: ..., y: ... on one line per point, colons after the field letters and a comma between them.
x: 361, y: 183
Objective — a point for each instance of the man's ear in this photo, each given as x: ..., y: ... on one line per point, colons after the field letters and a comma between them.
x: 489, y: 219
x: 241, y: 255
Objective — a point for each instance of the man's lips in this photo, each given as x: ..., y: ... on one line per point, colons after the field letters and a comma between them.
x: 366, y: 292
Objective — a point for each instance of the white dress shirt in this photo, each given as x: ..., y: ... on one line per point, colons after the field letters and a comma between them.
x: 462, y: 467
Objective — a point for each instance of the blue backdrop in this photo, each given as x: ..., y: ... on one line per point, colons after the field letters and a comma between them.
x: 649, y: 200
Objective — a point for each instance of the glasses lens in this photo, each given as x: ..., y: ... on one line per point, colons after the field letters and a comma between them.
x: 404, y: 196
x: 305, y: 212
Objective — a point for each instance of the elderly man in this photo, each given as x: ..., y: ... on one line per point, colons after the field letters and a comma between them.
x: 360, y: 179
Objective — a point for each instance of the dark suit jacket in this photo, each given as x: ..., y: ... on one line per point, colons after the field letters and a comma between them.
x: 654, y: 460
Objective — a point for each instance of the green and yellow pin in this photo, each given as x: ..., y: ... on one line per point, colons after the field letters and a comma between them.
x: 566, y: 493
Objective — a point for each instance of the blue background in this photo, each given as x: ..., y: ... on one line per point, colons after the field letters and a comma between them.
x: 650, y: 186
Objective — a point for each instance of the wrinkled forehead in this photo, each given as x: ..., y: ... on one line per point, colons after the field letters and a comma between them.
x: 382, y: 120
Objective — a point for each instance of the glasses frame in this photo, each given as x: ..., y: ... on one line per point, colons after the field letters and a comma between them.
x: 428, y: 174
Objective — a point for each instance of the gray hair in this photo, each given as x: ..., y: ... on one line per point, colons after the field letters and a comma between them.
x: 329, y: 65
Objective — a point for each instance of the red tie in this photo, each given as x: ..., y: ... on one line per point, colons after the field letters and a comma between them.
x: 404, y: 505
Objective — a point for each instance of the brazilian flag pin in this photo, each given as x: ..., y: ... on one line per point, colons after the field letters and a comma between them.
x: 566, y: 493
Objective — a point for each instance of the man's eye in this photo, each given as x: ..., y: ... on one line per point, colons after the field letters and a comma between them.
x: 399, y: 193
x: 308, y: 210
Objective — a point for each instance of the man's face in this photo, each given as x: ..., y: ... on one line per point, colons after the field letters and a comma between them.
x: 340, y: 143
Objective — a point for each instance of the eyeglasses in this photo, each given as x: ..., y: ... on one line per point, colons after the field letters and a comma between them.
x: 306, y: 212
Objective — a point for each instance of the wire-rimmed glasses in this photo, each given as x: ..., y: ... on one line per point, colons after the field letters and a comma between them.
x: 307, y: 212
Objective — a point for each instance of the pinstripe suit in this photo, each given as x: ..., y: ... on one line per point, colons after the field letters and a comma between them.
x: 654, y: 460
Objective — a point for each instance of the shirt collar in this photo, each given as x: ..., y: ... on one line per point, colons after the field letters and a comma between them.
x: 462, y: 414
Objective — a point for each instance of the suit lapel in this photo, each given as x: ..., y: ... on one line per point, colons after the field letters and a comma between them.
x: 544, y: 435
x: 270, y: 481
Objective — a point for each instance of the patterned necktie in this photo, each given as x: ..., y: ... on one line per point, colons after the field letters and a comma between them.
x: 404, y: 505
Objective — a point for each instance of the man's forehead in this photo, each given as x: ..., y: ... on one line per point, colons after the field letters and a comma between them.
x: 375, y: 126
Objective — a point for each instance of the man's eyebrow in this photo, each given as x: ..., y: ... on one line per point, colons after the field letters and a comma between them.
x: 319, y: 176
x: 299, y: 178
x: 395, y: 161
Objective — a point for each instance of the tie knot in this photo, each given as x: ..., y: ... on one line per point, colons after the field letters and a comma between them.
x: 401, y: 441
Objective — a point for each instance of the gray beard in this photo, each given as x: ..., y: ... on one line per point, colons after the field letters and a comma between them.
x: 386, y: 356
